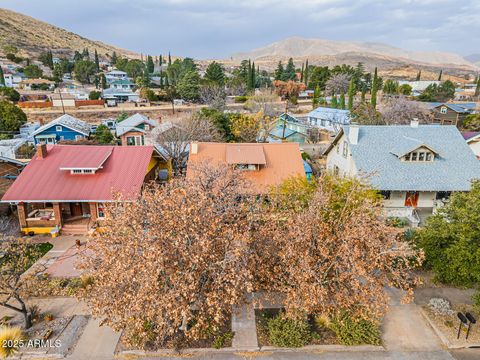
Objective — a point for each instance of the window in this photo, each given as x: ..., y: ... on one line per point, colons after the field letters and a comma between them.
x: 246, y: 167
x: 50, y: 141
x: 101, y: 211
x: 76, y: 171
x: 78, y: 137
x: 442, y: 195
x: 345, y: 149
x: 58, y: 128
x: 414, y: 156
x: 407, y: 157
x: 386, y: 194
x: 336, y: 170
x: 338, y: 148
x: 130, y: 140
x: 421, y: 156
x: 428, y: 156
x: 147, y: 127
x: 443, y: 110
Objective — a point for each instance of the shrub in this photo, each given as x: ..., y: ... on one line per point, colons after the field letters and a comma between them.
x: 356, y: 331
x: 476, y: 300
x: 397, y: 222
x: 440, y: 306
x: 241, y: 99
x: 222, y: 340
x: 94, y: 95
x: 286, y: 332
x: 9, y: 338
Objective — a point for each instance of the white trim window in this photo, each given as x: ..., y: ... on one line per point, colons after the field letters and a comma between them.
x: 345, y: 149
x: 58, y: 128
x: 443, y: 110
x: 100, y: 211
x: 78, y: 137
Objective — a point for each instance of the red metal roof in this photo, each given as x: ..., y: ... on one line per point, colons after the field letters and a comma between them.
x: 42, y: 180
x: 92, y: 157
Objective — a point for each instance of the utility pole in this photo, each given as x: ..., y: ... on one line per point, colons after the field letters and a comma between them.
x: 61, y: 99
x: 285, y: 119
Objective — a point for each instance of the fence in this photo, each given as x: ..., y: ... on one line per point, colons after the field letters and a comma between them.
x: 34, y: 104
x: 79, y: 103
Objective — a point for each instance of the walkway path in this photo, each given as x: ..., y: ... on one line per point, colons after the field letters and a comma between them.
x: 243, y: 325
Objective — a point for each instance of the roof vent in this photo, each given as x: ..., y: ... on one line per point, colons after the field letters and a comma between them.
x: 414, y: 123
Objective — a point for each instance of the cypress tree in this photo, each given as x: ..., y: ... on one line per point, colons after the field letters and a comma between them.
x: 253, y: 79
x: 104, y: 81
x: 374, y: 90
x: 342, y: 100
x: 351, y: 94
x: 440, y: 75
x: 316, y: 97
x: 2, y: 79
x: 419, y: 75
x: 150, y: 64
x: 97, y: 62
x: 334, y: 102
x: 301, y: 73
x: 114, y: 58
x: 166, y: 80
x: 160, y: 60
x: 477, y: 89
x: 50, y: 59
x: 169, y: 59
x: 305, y: 74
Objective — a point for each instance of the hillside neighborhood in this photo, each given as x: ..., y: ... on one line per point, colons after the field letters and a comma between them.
x: 161, y: 206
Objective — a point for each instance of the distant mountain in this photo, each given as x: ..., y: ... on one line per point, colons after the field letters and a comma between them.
x: 33, y: 36
x: 473, y: 58
x: 298, y: 47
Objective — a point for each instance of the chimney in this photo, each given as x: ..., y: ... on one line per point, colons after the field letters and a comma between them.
x: 414, y: 123
x: 41, y: 151
x: 353, y: 133
x: 194, y: 148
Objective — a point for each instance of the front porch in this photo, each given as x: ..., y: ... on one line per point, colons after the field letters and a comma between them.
x: 68, y: 217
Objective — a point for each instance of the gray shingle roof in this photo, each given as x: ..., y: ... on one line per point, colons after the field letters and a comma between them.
x: 452, y: 169
x: 132, y: 123
x: 69, y: 122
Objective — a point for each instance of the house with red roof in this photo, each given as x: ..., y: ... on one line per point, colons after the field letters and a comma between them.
x: 65, y: 187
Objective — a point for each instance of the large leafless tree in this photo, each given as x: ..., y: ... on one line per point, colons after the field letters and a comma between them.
x: 399, y: 110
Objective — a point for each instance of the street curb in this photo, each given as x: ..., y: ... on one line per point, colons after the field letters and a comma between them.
x: 266, y: 349
x: 442, y: 337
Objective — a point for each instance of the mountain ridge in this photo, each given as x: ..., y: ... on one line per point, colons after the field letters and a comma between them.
x: 32, y: 36
x: 311, y: 47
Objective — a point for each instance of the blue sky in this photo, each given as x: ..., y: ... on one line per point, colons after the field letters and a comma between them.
x: 217, y: 29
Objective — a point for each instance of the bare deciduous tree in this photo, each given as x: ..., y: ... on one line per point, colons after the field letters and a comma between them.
x: 176, y: 134
x: 214, y: 96
x: 265, y: 101
x: 337, y: 84
x: 399, y: 110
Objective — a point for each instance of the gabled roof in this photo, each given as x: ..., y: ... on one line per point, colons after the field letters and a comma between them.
x: 42, y: 180
x: 452, y: 169
x: 471, y: 136
x: 68, y: 121
x: 407, y: 145
x: 457, y: 107
x: 282, y: 160
x: 332, y: 114
x: 132, y: 123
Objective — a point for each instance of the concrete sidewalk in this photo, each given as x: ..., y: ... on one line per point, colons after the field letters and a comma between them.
x: 244, y: 327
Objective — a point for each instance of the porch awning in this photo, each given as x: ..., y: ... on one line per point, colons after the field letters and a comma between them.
x: 46, y: 136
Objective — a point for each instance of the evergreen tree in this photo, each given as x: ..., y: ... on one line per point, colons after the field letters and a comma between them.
x: 86, y: 54
x: 150, y: 64
x: 97, y: 61
x: 2, y: 78
x: 342, y: 100
x: 145, y: 77
x: 169, y: 59
x: 289, y: 73
x: 334, y: 102
x: 215, y: 74
x: 50, y: 59
x: 253, y: 80
x: 306, y: 77
x: 301, y: 72
x: 279, y: 71
x: 316, y: 97
x: 477, y: 89
x: 167, y: 84
x: 160, y: 60
x: 351, y: 93
x: 103, y: 80
x: 419, y: 75
x: 249, y: 75
x: 374, y: 90
x: 114, y: 58
x: 440, y: 75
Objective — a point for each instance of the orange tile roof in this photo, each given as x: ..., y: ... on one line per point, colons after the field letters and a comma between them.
x: 281, y: 161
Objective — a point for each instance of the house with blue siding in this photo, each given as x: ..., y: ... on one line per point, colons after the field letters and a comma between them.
x: 66, y: 127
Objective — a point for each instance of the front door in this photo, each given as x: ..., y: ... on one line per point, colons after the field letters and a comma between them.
x: 76, y: 209
x: 411, y: 199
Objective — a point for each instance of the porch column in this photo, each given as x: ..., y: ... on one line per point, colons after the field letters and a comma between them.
x: 22, y: 214
x: 57, y: 211
x: 93, y: 211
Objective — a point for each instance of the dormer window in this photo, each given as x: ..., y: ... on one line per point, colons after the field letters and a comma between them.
x: 419, y: 156
x: 82, y: 171
x: 247, y: 167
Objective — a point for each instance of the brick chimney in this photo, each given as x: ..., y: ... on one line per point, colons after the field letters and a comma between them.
x: 42, y: 151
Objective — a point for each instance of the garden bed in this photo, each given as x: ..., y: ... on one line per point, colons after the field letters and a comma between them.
x: 447, y: 326
x: 319, y: 335
x: 220, y: 339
